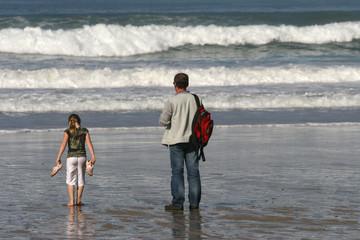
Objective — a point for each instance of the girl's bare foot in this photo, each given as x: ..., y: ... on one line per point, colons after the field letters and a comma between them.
x: 70, y: 205
x: 79, y: 203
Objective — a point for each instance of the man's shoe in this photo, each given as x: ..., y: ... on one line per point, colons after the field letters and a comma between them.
x: 173, y: 208
x: 194, y: 208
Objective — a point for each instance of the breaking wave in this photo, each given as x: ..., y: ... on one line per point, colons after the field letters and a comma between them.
x: 116, y: 40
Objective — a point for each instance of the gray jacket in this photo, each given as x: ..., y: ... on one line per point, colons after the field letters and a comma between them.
x: 177, y: 117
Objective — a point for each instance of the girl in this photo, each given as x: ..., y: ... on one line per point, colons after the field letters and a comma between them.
x: 75, y: 137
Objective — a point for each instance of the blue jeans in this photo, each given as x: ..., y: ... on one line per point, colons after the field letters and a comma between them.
x: 180, y: 153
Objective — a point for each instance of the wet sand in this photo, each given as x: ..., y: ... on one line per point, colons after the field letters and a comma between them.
x: 259, y: 182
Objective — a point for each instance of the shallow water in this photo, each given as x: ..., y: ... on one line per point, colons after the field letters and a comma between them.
x: 280, y: 182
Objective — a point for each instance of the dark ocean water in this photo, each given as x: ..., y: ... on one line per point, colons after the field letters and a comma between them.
x: 119, y: 58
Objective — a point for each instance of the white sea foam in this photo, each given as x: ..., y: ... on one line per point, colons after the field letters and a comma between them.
x: 50, y: 101
x: 284, y: 101
x: 152, y: 128
x: 149, y: 77
x: 116, y: 40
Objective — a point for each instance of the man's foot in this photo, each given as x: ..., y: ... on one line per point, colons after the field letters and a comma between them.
x: 173, y: 208
x: 194, y: 208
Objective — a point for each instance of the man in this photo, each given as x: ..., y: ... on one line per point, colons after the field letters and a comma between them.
x: 177, y: 117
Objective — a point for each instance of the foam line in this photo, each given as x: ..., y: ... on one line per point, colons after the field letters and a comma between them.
x: 145, y: 77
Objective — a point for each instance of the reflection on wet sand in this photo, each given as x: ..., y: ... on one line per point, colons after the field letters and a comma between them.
x: 268, y: 221
x: 180, y: 224
x: 148, y: 221
x: 195, y: 225
x: 75, y: 223
x: 77, y: 227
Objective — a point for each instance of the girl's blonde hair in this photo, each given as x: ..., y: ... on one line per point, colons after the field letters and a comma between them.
x: 73, y: 119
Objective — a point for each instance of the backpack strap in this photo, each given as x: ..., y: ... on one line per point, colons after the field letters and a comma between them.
x: 202, y: 155
x: 197, y: 100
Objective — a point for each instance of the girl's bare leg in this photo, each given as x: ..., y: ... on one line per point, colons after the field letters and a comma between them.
x: 79, y: 194
x: 71, y: 189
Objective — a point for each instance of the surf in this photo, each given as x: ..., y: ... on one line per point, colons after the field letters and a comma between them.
x: 159, y: 77
x: 127, y: 99
x: 102, y: 40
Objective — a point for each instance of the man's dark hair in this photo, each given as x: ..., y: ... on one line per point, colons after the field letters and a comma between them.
x: 181, y: 80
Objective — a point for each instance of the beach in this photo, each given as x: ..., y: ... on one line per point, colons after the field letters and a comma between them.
x: 281, y: 80
x: 259, y: 182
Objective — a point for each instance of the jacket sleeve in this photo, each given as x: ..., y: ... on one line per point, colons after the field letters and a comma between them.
x: 165, y: 117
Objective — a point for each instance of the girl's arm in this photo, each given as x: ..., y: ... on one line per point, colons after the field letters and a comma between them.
x: 91, y: 148
x: 62, y: 148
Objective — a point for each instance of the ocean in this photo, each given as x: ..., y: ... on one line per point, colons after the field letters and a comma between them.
x: 118, y: 58
x: 281, y: 79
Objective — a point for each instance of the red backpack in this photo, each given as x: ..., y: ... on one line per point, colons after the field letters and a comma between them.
x: 202, y: 127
